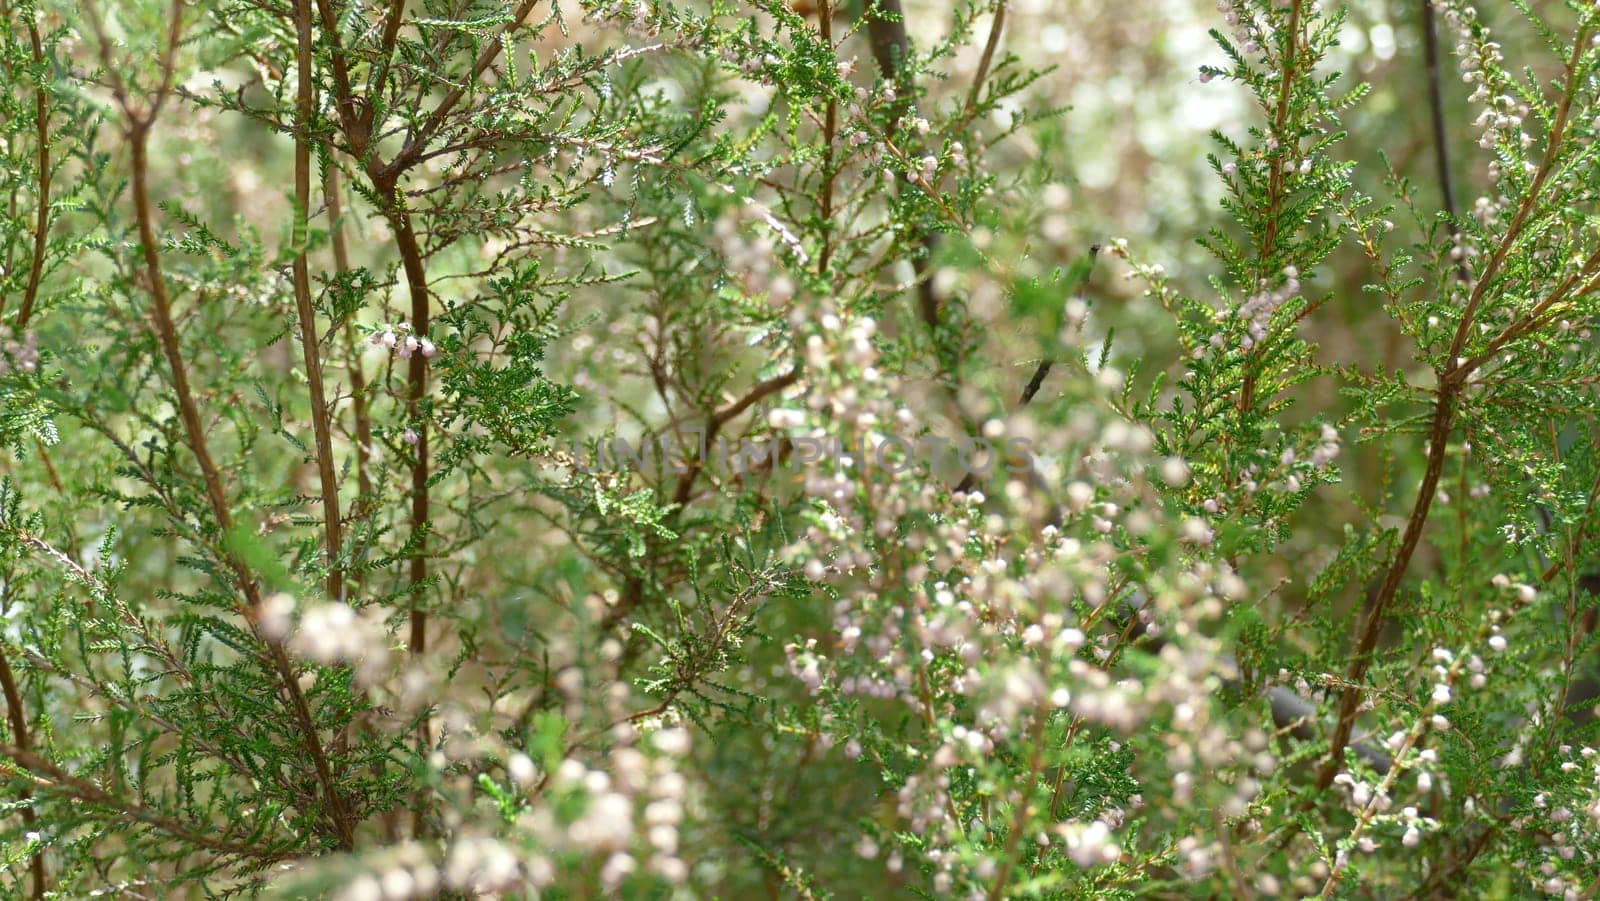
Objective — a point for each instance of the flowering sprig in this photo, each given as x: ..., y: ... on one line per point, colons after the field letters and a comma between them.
x: 399, y: 338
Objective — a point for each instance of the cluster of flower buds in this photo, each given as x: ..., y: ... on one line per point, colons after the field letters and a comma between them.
x: 400, y: 339
x: 1246, y: 30
x: 930, y: 166
x: 1258, y: 309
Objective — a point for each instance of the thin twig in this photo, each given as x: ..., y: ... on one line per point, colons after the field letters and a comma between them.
x: 996, y: 26
x: 1019, y: 820
x: 358, y: 377
x: 357, y: 123
x: 829, y: 133
x: 1034, y: 383
x: 380, y: 72
x: 633, y: 587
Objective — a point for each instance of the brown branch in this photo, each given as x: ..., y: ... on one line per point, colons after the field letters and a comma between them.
x: 1275, y: 183
x: 380, y: 73
x: 56, y: 485
x: 1375, y: 618
x: 385, y: 180
x: 17, y: 716
x: 891, y: 48
x: 1419, y: 729
x: 720, y: 418
x: 356, y: 121
x: 53, y: 778
x: 1456, y: 865
x: 1452, y: 380
x: 138, y: 134
x: 305, y: 112
x: 1441, y: 147
x: 1542, y: 314
x: 417, y: 388
x: 417, y: 383
x: 189, y: 414
x: 412, y: 150
x: 41, y: 114
x: 1558, y: 131
x: 633, y: 587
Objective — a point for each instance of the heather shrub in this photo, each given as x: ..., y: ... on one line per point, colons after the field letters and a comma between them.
x: 468, y: 448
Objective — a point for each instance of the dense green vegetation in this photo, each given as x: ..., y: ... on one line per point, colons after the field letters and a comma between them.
x: 468, y: 448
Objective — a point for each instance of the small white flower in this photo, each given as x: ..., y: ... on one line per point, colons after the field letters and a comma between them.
x: 521, y: 770
x: 784, y: 418
x: 673, y: 741
x: 1175, y: 472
